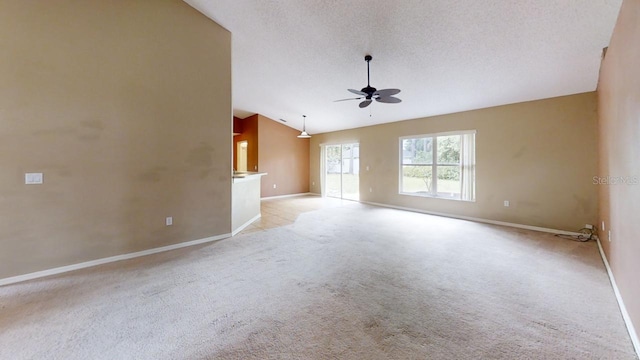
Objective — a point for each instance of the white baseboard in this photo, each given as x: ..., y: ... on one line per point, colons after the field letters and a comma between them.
x: 486, y: 221
x: 285, y: 196
x: 625, y: 315
x: 243, y: 226
x: 86, y: 264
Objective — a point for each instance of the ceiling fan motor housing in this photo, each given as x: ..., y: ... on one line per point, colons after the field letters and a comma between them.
x: 369, y: 91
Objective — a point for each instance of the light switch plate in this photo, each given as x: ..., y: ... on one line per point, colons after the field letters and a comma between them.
x: 33, y: 178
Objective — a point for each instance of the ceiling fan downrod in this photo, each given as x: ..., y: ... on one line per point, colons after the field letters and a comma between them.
x: 369, y: 90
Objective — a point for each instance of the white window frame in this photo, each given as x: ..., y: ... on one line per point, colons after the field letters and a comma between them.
x: 434, y: 166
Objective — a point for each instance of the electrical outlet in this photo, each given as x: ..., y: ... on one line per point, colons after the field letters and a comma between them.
x: 506, y: 203
x: 274, y: 186
x: 313, y: 183
x: 169, y: 221
x: 370, y: 189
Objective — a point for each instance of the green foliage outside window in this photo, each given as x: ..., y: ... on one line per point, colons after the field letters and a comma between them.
x: 419, y: 151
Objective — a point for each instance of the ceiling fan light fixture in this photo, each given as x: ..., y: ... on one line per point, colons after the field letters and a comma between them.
x: 303, y: 134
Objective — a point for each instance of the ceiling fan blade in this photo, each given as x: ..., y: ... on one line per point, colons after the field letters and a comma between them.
x: 386, y: 92
x: 388, y: 100
x: 357, y: 92
x: 358, y: 98
x: 365, y: 103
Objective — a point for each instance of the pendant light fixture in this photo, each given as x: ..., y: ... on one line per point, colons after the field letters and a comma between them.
x: 303, y: 134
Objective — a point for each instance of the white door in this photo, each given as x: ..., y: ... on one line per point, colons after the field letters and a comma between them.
x: 242, y: 156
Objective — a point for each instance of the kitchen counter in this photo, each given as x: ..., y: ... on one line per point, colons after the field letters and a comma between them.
x: 238, y: 175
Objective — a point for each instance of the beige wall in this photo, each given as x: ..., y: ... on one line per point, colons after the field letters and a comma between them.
x: 284, y: 158
x: 125, y: 106
x: 539, y: 155
x: 619, y: 128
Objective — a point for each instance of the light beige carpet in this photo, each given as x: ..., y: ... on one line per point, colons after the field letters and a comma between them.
x: 353, y: 282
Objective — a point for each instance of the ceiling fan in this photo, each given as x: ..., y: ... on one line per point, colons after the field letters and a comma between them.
x: 369, y: 93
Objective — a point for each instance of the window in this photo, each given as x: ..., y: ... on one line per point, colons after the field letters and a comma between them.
x: 438, y: 165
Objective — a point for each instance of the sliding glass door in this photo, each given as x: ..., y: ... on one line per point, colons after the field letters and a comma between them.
x: 342, y: 171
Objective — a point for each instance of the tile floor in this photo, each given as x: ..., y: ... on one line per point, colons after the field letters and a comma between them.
x: 285, y: 211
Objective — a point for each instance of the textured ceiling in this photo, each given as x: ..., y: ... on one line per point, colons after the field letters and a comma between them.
x: 295, y: 57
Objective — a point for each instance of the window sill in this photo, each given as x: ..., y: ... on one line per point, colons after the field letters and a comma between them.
x: 431, y: 196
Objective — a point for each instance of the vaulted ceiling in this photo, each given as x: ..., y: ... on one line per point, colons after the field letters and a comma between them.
x: 295, y: 57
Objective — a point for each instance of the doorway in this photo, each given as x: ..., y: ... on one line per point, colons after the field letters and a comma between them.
x: 342, y: 171
x: 242, y: 156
